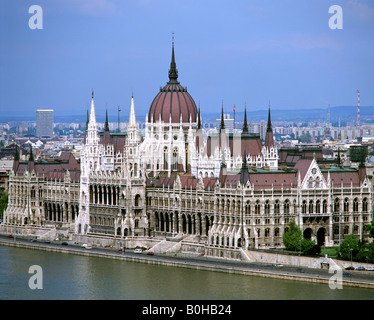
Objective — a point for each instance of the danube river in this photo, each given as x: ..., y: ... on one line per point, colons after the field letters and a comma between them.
x: 71, y: 277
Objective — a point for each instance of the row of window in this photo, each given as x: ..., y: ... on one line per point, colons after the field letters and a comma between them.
x: 233, y: 207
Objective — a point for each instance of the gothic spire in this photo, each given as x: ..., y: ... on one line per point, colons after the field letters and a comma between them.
x: 245, y: 124
x: 222, y: 126
x: 31, y: 158
x: 269, y: 127
x: 173, y: 72
x: 92, y: 112
x: 132, y: 118
x: 269, y: 139
x: 106, y: 127
x: 199, y: 121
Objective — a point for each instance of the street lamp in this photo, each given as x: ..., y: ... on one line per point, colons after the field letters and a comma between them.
x: 351, y: 255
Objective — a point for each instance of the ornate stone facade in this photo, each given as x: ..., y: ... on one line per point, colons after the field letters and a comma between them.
x: 222, y: 192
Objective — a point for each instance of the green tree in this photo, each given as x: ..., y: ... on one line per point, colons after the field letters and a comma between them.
x: 307, y: 245
x: 370, y: 228
x: 350, y: 247
x: 292, y: 238
x: 3, y: 203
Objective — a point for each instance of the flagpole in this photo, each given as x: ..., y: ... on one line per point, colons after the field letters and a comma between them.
x: 118, y: 118
x: 234, y: 120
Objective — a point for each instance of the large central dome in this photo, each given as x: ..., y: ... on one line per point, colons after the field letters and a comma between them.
x: 173, y: 101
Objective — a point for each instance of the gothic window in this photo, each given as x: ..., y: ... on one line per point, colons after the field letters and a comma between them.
x: 303, y: 207
x: 324, y: 206
x: 267, y: 207
x: 247, y: 208
x: 355, y: 229
x: 175, y: 159
x: 317, y: 182
x: 318, y: 206
x: 165, y: 158
x: 355, y: 205
x: 365, y: 205
x: 276, y: 232
x: 276, y: 207
x: 286, y: 206
x: 257, y: 207
x: 267, y: 232
x: 346, y: 230
x: 137, y: 200
x: 336, y: 205
x: 346, y: 205
x: 311, y: 205
x: 310, y: 183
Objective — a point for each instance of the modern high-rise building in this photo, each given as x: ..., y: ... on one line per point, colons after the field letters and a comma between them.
x: 44, y: 122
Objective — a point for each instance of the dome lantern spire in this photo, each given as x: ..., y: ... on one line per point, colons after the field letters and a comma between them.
x: 173, y: 72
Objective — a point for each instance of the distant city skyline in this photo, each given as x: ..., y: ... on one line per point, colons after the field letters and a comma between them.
x: 231, y: 53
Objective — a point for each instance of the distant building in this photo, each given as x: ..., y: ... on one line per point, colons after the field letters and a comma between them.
x: 44, y: 122
x: 228, y: 121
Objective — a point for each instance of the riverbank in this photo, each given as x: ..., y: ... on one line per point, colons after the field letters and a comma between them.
x: 357, y: 279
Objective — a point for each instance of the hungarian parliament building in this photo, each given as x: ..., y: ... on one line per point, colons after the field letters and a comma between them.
x: 175, y: 185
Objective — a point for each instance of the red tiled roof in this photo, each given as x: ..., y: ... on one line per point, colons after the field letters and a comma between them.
x: 55, y: 169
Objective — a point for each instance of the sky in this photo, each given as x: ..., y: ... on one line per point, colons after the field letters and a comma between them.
x: 243, y: 53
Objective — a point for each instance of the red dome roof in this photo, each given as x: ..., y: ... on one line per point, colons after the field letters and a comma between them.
x: 173, y: 101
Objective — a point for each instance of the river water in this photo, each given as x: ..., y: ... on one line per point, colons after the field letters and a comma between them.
x: 72, y: 277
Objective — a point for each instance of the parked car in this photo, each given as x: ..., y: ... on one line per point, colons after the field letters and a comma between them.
x: 360, y: 268
x: 64, y: 243
x: 150, y: 253
x: 138, y: 251
x: 370, y: 268
x: 350, y: 268
x: 10, y: 236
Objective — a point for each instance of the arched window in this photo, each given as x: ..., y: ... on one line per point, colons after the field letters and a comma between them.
x: 355, y: 205
x: 137, y: 200
x: 257, y: 207
x: 276, y: 207
x: 310, y: 183
x: 247, y: 208
x: 365, y: 205
x: 165, y: 158
x: 175, y: 159
x: 311, y: 205
x: 317, y: 182
x: 355, y: 229
x: 318, y: 206
x: 286, y: 207
x: 276, y: 232
x: 346, y: 230
x: 324, y: 209
x: 336, y: 205
x: 267, y: 232
x: 346, y: 205
x: 303, y: 207
x: 267, y: 207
